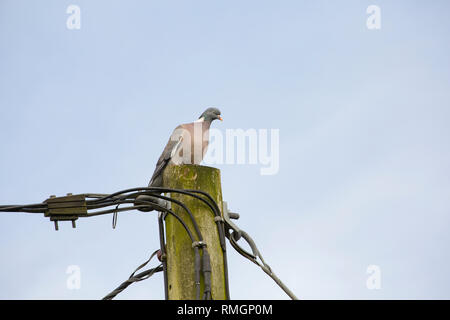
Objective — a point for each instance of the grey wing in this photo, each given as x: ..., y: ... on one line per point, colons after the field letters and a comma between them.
x: 167, y: 154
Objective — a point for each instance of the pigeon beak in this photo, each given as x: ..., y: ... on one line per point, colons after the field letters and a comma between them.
x: 220, y: 118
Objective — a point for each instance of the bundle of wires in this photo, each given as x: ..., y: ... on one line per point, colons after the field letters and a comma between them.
x: 152, y: 198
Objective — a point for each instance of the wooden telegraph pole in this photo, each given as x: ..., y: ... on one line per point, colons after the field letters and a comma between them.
x: 179, y: 251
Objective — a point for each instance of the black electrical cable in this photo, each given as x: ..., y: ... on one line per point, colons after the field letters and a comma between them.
x: 215, y: 211
x: 206, y: 264
x: 31, y: 208
x: 214, y: 208
x: 162, y: 243
x: 135, y: 277
x: 161, y: 208
x: 114, y: 199
x: 196, y: 248
x: 196, y: 253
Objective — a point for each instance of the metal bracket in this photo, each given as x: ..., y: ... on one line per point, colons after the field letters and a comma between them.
x: 67, y: 208
x: 198, y: 244
x: 227, y: 216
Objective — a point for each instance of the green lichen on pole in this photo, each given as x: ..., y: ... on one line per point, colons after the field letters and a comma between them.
x: 180, y: 254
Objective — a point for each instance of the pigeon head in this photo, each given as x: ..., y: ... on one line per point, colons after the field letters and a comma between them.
x: 211, y: 114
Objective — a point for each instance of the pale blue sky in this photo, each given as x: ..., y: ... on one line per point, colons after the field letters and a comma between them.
x: 364, y: 139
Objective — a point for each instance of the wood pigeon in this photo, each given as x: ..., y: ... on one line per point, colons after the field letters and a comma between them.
x: 187, y: 144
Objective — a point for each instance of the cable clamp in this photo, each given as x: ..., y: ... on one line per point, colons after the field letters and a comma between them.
x: 67, y: 208
x: 198, y: 244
